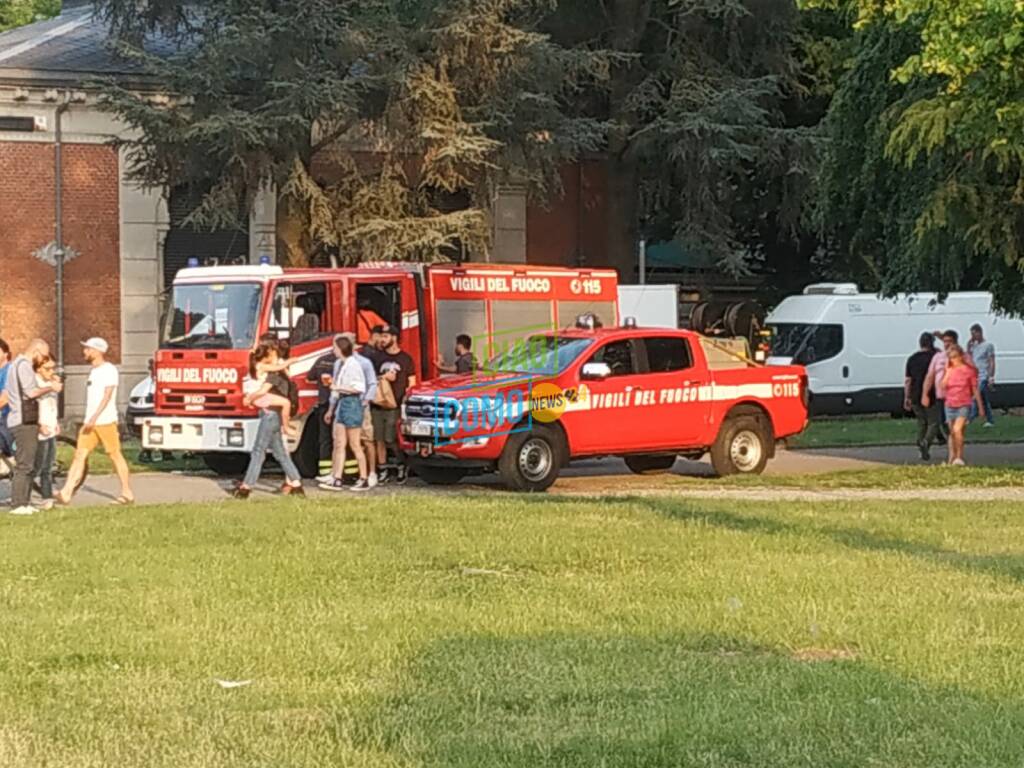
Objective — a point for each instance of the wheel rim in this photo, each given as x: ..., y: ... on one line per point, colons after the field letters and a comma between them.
x: 535, y: 459
x: 746, y: 450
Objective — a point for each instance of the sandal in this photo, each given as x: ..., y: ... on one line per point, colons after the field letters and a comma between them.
x: 241, y: 492
x: 293, y: 490
x: 122, y: 501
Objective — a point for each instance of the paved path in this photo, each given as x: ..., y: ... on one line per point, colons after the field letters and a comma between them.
x: 610, y: 476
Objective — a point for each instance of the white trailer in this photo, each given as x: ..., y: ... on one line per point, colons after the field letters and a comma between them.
x: 653, y: 306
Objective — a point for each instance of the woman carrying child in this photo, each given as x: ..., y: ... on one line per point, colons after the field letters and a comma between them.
x: 269, y: 432
x: 268, y: 368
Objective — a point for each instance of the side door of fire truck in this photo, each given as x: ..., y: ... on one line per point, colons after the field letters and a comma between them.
x: 608, y: 423
x: 305, y: 313
x: 673, y: 399
x: 387, y: 300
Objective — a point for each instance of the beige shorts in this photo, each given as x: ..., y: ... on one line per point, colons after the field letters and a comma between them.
x: 367, y: 434
x: 102, y: 434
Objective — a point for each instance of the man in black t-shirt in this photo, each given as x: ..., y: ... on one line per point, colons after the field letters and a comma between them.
x: 913, y: 388
x: 397, y: 367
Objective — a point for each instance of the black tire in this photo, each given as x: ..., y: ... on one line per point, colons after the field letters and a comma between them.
x: 647, y: 464
x: 227, y: 464
x: 439, y: 475
x: 307, y: 454
x: 531, y: 460
x: 741, y: 448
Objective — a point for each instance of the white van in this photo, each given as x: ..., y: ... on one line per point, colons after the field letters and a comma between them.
x: 855, y: 345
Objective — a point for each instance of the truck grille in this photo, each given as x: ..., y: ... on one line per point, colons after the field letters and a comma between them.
x: 426, y: 407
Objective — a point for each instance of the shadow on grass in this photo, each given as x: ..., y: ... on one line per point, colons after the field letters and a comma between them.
x: 1004, y: 565
x: 598, y: 700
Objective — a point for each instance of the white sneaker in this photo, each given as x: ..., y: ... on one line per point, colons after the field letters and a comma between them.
x: 334, y: 484
x: 325, y: 478
x: 959, y: 463
x: 360, y: 485
x: 371, y: 480
x: 23, y: 510
x: 988, y: 425
x: 45, y: 505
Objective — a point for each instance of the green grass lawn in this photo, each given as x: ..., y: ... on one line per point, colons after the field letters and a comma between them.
x: 99, y: 463
x: 884, y: 430
x: 492, y: 630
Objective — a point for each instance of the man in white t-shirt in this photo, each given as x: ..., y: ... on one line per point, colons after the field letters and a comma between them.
x: 100, y: 425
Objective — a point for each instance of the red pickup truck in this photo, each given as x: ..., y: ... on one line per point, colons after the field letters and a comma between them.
x: 646, y: 394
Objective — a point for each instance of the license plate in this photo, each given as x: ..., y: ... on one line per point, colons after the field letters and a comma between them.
x: 419, y: 428
x: 195, y: 399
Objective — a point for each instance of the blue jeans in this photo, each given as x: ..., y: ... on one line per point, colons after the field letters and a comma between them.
x: 268, y: 437
x: 46, y: 454
x: 983, y: 390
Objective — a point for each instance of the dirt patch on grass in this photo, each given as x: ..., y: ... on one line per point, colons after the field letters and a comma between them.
x: 814, y: 655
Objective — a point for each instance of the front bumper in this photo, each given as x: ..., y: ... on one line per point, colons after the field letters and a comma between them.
x: 180, y: 433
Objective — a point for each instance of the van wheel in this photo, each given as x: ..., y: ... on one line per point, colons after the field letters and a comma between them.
x: 741, y: 447
x: 649, y: 465
x: 531, y: 460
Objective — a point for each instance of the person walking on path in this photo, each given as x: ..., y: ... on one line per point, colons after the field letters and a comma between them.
x: 983, y: 355
x: 936, y: 379
x: 23, y: 395
x: 100, y: 427
x: 6, y: 441
x: 49, y: 428
x: 961, y: 392
x: 268, y: 432
x: 913, y: 390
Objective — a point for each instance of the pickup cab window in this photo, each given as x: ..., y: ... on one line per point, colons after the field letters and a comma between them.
x: 618, y: 356
x: 667, y: 353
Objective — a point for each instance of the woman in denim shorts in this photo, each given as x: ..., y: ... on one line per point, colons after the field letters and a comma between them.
x: 962, y: 391
x: 350, y: 387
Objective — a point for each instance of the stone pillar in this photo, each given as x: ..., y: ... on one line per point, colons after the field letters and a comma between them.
x: 263, y: 226
x: 509, y: 223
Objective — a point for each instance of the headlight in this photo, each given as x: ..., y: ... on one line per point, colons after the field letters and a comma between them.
x: 156, y: 435
x: 231, y: 437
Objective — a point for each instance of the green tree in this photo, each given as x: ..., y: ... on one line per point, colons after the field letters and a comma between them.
x: 699, y: 132
x: 15, y: 13
x: 368, y: 116
x: 942, y: 87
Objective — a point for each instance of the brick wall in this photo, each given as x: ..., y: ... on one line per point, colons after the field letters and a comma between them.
x: 92, y: 293
x: 573, y: 227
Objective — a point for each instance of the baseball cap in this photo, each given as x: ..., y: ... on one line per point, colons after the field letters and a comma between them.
x: 389, y: 329
x: 100, y: 345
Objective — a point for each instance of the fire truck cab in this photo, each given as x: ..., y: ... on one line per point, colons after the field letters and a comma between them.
x: 216, y: 315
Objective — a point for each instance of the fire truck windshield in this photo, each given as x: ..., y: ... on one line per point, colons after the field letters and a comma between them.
x: 212, y: 316
x: 539, y: 355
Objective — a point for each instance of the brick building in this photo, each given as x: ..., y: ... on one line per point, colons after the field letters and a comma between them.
x: 122, y: 243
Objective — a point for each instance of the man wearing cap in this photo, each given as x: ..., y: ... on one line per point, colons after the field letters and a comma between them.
x: 395, y: 365
x: 100, y: 425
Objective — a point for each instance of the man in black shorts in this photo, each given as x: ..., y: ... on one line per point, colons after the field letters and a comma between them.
x: 396, y: 366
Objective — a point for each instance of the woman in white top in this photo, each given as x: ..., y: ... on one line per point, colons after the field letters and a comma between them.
x: 49, y: 427
x: 350, y: 386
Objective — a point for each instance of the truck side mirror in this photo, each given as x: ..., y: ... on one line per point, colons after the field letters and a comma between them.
x: 596, y: 371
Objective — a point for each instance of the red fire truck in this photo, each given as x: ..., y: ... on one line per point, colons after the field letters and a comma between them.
x: 217, y: 314
x: 648, y: 395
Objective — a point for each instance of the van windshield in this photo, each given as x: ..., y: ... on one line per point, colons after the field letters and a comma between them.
x: 212, y: 316
x: 806, y: 343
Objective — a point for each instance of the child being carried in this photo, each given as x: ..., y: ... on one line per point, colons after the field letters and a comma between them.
x: 270, y: 373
